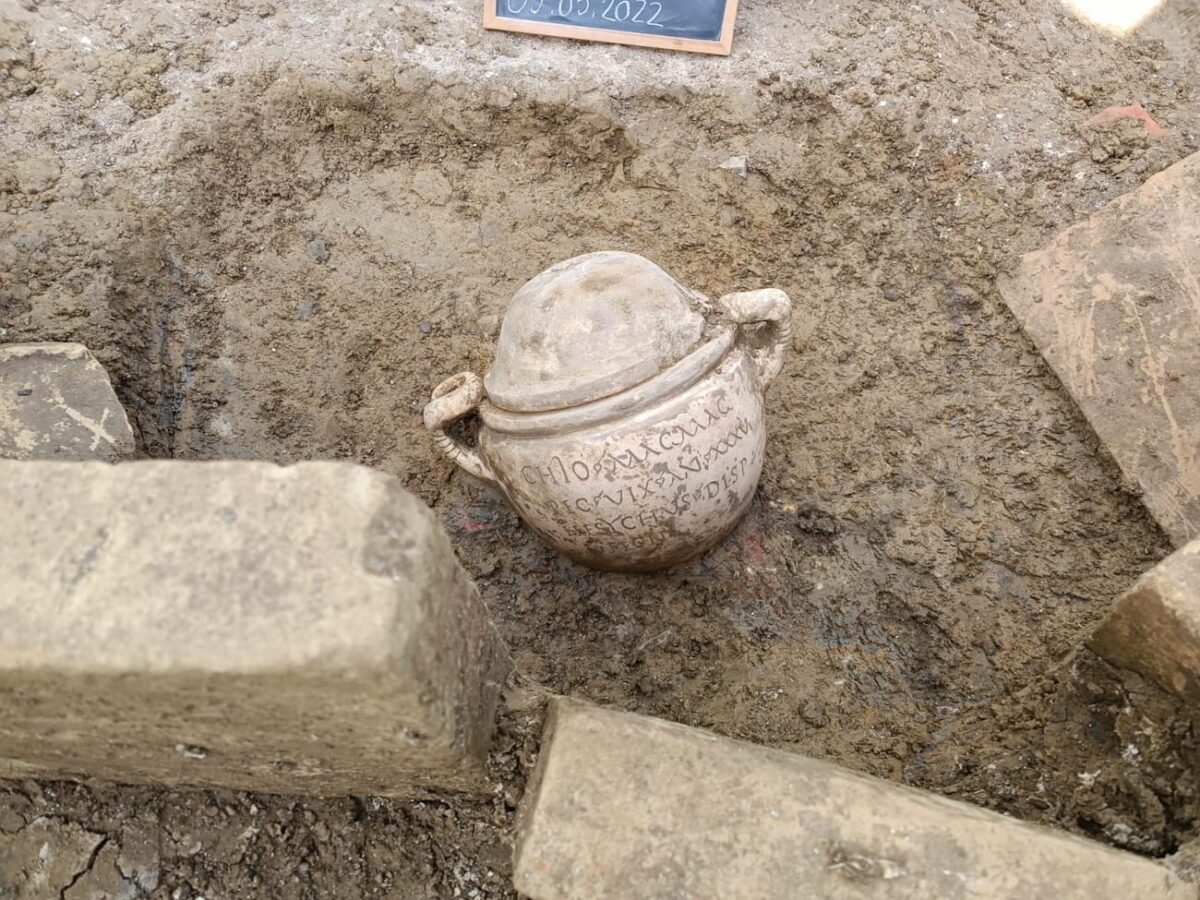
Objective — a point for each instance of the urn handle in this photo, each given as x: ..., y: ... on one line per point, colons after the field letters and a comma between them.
x: 771, y: 309
x: 457, y: 396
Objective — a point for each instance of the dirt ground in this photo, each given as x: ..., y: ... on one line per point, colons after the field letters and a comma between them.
x: 279, y: 224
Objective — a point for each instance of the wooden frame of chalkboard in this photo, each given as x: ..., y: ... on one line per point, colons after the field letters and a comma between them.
x: 493, y: 20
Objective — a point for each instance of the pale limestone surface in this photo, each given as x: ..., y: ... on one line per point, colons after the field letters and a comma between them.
x: 1154, y: 628
x: 627, y: 806
x: 1114, y: 305
x: 56, y: 402
x: 299, y: 629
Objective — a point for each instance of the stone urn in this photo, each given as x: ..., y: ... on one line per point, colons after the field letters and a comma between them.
x: 623, y: 415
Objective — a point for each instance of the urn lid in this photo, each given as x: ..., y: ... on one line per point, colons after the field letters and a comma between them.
x: 588, y: 328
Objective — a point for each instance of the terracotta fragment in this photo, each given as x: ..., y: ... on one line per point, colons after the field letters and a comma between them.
x: 1114, y: 306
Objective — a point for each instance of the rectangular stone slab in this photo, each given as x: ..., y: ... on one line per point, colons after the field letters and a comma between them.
x: 297, y: 630
x: 1154, y: 628
x: 627, y: 806
x: 56, y: 402
x: 1113, y: 304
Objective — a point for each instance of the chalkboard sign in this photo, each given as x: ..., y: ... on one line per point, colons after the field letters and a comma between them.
x: 698, y: 26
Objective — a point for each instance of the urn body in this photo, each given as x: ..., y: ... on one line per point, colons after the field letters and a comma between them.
x: 645, y: 476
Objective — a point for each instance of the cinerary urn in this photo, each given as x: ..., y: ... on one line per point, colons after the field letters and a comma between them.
x: 625, y: 428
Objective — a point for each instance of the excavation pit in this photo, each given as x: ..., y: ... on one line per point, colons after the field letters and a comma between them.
x: 279, y: 260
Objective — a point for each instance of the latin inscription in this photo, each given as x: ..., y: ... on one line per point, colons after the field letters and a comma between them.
x: 677, y: 476
x: 558, y: 471
x: 615, y: 514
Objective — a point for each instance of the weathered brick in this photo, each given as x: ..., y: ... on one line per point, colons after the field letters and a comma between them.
x: 56, y: 402
x: 626, y: 806
x: 299, y: 629
x: 1154, y: 628
x: 1113, y: 303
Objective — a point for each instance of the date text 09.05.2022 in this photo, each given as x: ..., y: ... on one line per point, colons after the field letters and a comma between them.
x: 641, y: 12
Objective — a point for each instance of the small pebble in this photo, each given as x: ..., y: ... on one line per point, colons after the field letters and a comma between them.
x: 318, y: 249
x: 737, y: 165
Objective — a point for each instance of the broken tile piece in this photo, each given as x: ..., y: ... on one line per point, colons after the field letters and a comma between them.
x: 1133, y: 111
x: 1154, y: 628
x: 102, y: 880
x: 138, y: 860
x: 1113, y: 304
x: 44, y: 858
x: 56, y: 402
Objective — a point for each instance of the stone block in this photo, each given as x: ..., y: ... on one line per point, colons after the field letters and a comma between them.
x: 56, y: 402
x: 1113, y: 304
x: 1154, y: 627
x: 626, y: 806
x: 302, y: 629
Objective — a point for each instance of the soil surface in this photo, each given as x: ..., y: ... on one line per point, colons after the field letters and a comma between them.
x: 280, y: 224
